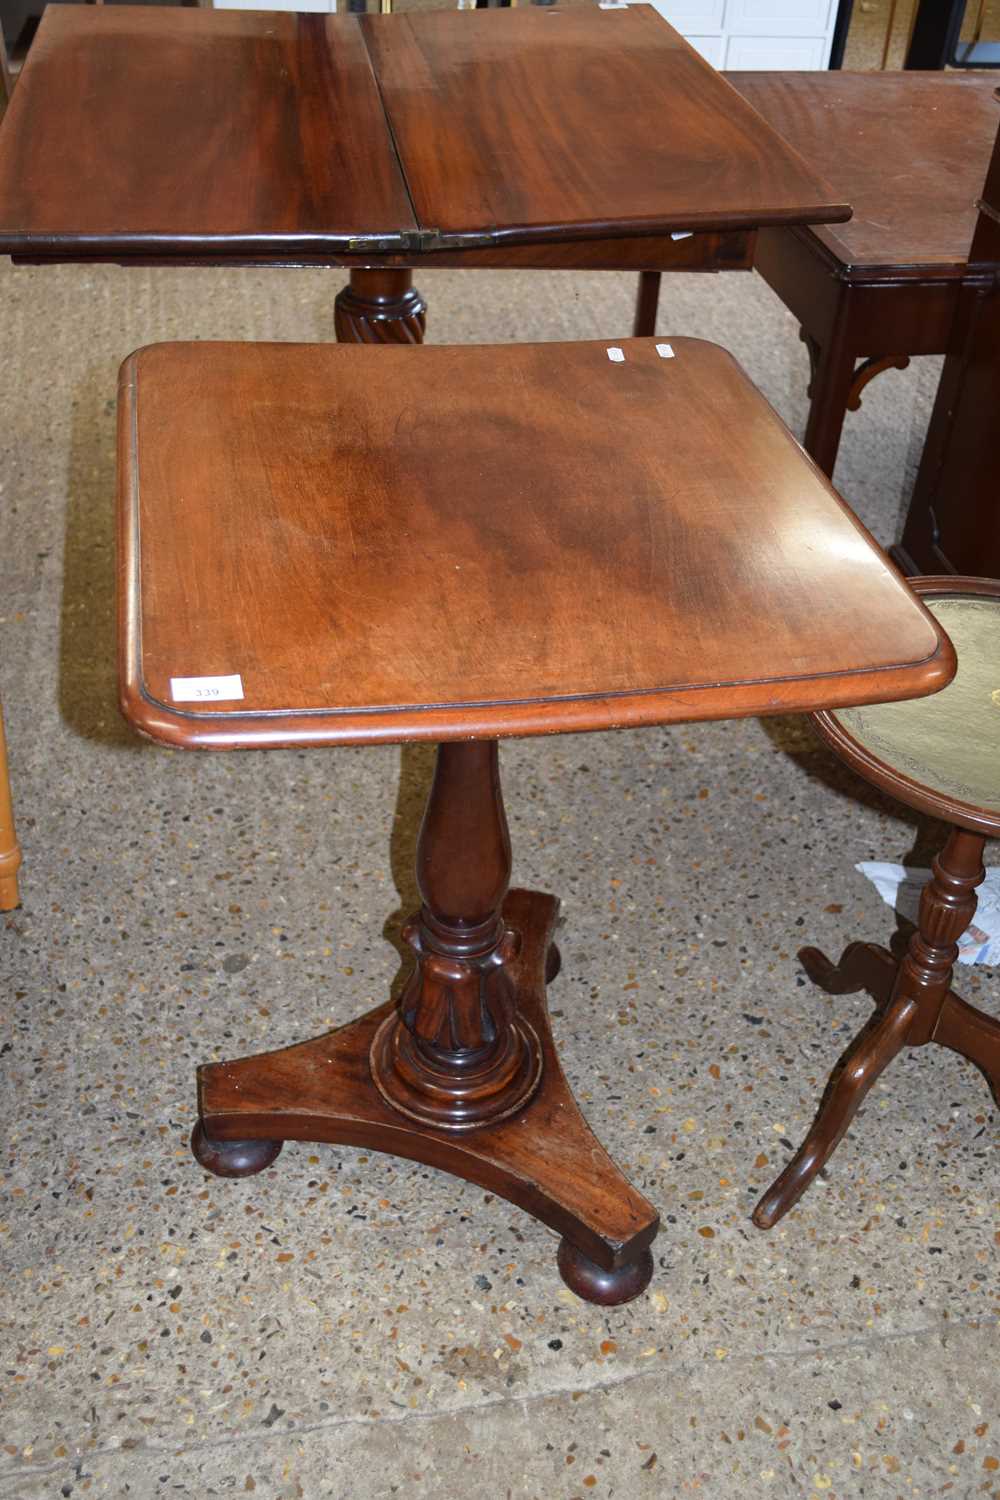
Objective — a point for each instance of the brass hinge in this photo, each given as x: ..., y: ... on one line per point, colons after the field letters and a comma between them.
x: 429, y: 240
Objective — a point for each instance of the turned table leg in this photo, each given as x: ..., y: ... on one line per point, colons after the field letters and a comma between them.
x: 975, y: 1036
x: 380, y: 307
x: 832, y: 368
x: 915, y: 1006
x: 646, y: 303
x: 458, y: 1055
x: 463, y: 1075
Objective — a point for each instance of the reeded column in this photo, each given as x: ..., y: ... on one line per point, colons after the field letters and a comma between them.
x: 457, y: 1055
x: 380, y: 307
x: 947, y: 905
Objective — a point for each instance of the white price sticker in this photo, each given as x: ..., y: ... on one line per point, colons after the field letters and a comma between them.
x: 616, y: 356
x: 206, y: 689
x: 665, y: 351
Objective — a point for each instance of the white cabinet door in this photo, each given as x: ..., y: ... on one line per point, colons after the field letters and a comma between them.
x: 753, y: 53
x: 710, y: 47
x: 778, y: 17
x: 693, y: 16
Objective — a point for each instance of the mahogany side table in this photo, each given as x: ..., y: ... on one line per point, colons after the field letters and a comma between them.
x: 324, y: 545
x: 910, y: 152
x: 941, y: 757
x: 500, y: 138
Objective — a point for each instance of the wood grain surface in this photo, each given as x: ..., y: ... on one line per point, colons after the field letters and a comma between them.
x: 167, y: 128
x: 172, y: 133
x: 541, y: 121
x: 908, y: 150
x: 477, y: 541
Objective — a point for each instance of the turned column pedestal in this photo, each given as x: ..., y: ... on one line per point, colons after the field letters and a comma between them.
x: 941, y: 756
x: 463, y: 1073
x: 380, y: 307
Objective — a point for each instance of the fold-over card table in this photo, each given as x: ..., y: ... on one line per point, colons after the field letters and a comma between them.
x: 326, y: 545
x: 521, y: 137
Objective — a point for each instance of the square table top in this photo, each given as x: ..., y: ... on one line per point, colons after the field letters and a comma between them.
x: 357, y: 545
x: 909, y: 151
x: 181, y: 132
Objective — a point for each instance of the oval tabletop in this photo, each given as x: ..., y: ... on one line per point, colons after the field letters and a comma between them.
x: 941, y: 754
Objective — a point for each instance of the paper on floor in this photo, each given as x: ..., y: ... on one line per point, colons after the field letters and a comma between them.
x: 900, y: 888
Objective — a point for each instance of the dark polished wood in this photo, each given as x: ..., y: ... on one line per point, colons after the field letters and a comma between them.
x: 730, y: 250
x: 6, y: 79
x: 535, y: 123
x: 457, y: 1055
x: 281, y: 197
x: 165, y: 131
x: 340, y: 615
x: 458, y: 544
x: 380, y: 307
x: 595, y: 1284
x: 914, y: 1001
x: 646, y: 304
x: 230, y: 1158
x: 545, y: 1158
x: 953, y: 523
x: 194, y: 137
x: 909, y: 151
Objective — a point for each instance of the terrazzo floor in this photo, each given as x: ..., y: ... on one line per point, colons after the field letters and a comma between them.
x: 355, y: 1326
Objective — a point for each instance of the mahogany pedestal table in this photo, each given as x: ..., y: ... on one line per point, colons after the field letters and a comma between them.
x: 518, y: 138
x: 324, y: 544
x: 941, y: 757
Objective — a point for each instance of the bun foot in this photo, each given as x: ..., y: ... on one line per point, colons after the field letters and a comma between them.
x: 232, y: 1158
x: 607, y: 1288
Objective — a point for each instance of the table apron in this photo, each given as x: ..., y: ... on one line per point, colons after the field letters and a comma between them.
x: 730, y: 250
x: 896, y: 314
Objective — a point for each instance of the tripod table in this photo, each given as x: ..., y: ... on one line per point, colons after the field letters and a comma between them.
x: 323, y: 545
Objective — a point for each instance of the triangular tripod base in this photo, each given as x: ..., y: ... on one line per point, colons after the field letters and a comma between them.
x: 545, y: 1158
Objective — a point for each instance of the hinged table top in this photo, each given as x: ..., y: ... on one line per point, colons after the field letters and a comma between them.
x: 329, y: 543
x: 205, y: 134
